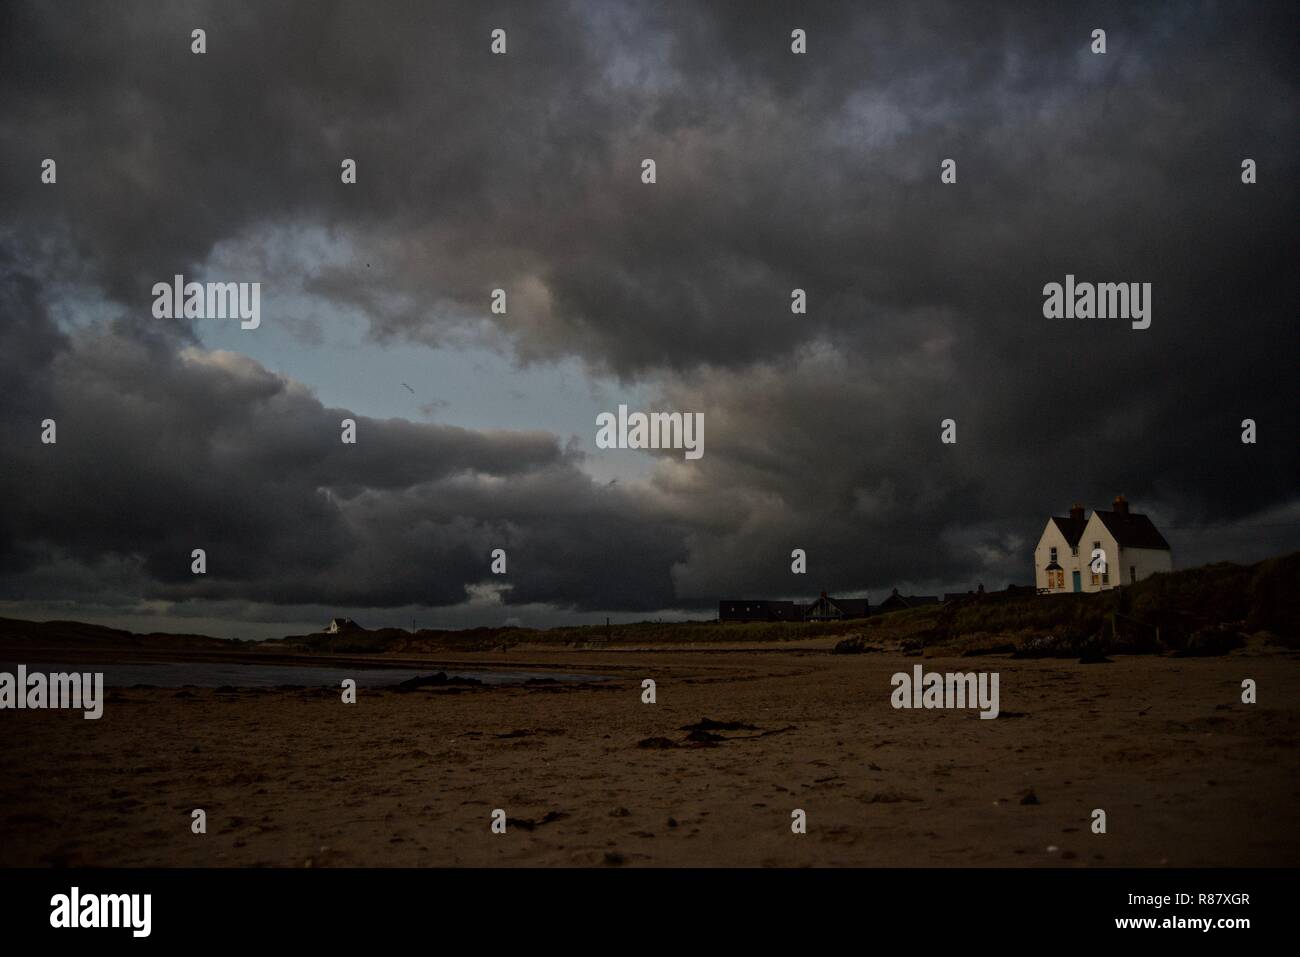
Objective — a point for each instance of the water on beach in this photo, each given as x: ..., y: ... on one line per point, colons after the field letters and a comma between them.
x: 202, y: 674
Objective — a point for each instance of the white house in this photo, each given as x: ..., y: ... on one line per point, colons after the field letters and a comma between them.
x: 1131, y: 547
x: 1056, y: 559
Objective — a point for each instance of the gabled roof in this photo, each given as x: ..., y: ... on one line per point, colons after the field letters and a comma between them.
x: 1132, y: 530
x: 1071, y: 529
x: 821, y: 605
x: 853, y: 606
x: 909, y: 601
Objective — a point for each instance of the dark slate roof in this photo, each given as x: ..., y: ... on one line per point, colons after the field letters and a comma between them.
x: 1053, y: 567
x: 909, y: 601
x: 853, y: 606
x: 1071, y: 528
x: 1132, y: 530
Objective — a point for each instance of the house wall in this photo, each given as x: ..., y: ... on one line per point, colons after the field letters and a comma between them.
x: 1095, y: 532
x: 1050, y: 538
x: 1119, y: 561
x: 1147, y: 561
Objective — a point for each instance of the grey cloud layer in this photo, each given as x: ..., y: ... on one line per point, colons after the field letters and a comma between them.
x: 775, y: 171
x: 163, y: 449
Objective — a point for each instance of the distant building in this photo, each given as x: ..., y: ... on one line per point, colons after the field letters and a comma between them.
x: 1134, y: 549
x: 339, y: 625
x: 897, y: 602
x: 823, y: 608
x: 826, y: 608
x: 960, y: 595
x: 758, y: 609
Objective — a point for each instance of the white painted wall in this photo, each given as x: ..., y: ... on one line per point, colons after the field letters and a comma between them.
x: 1052, y: 538
x: 1121, y: 563
x: 1146, y: 561
x: 1095, y: 534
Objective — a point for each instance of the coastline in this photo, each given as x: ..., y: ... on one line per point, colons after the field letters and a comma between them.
x: 1187, y: 774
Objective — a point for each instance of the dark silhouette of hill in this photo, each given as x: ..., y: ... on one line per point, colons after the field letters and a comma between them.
x: 1205, y: 610
x: 16, y: 633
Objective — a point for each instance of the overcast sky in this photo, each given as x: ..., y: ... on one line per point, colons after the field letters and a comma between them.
x: 774, y: 171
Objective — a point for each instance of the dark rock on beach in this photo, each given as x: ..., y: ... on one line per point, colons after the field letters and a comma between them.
x: 854, y: 645
x: 439, y: 680
x: 708, y: 724
x: 528, y: 824
x: 704, y: 737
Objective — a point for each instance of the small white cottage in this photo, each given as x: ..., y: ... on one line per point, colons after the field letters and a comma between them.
x: 1130, y: 546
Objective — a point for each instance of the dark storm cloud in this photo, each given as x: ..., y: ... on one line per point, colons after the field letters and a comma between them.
x: 775, y: 171
x: 163, y: 449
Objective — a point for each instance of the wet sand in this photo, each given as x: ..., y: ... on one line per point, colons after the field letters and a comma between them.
x: 1186, y: 773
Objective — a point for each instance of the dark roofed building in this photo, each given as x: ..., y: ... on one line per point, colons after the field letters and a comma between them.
x: 824, y: 608
x: 1111, y: 548
x: 897, y: 602
x: 1132, y: 530
x: 758, y: 609
x: 854, y: 607
x: 1071, y: 527
x: 1130, y: 543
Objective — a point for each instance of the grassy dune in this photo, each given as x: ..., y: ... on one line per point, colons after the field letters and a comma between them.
x: 1204, y: 610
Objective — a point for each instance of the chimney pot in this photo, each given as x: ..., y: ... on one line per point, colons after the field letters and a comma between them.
x: 1121, y: 504
x: 1076, y: 512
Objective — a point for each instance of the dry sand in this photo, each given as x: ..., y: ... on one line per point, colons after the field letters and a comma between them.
x: 1187, y: 774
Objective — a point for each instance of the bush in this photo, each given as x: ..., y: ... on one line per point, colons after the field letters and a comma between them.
x: 1208, y: 642
x: 1275, y: 597
x: 853, y: 645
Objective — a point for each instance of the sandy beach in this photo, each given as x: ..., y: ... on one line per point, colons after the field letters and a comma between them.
x: 589, y: 775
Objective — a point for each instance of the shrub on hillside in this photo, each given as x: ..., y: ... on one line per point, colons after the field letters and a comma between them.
x: 1275, y: 597
x: 853, y: 645
x: 1208, y: 642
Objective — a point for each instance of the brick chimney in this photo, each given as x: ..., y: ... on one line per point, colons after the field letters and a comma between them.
x: 1076, y: 512
x: 1121, y: 504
